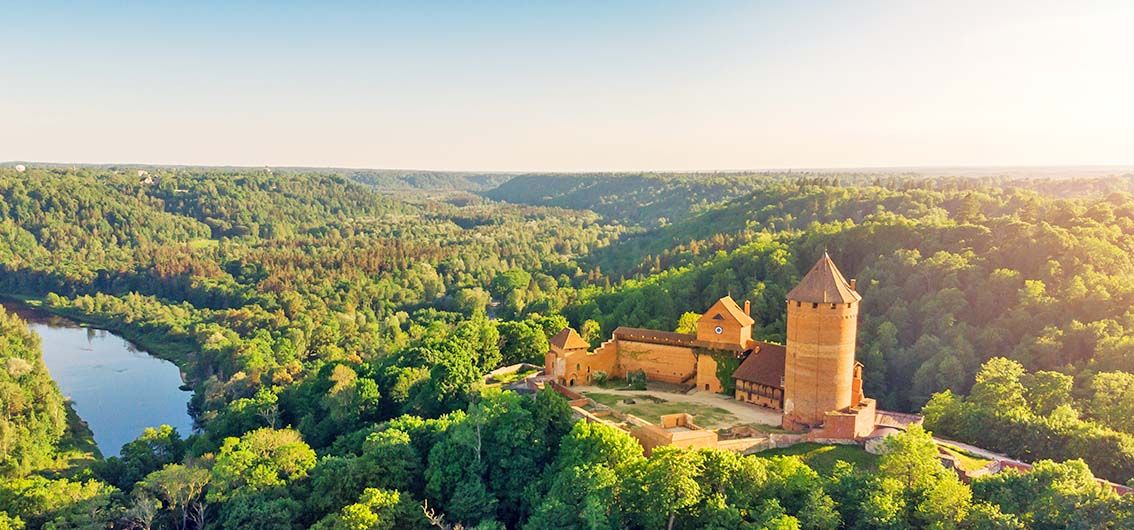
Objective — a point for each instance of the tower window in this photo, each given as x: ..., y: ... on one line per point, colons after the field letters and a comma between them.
x: 833, y: 306
x: 814, y: 305
x: 798, y: 303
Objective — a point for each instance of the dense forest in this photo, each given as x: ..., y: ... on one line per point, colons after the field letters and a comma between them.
x: 336, y: 334
x: 34, y: 419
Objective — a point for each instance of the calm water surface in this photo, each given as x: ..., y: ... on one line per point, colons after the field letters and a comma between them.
x: 117, y: 388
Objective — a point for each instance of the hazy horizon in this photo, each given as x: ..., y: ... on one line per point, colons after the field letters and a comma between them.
x: 1096, y: 170
x: 514, y: 87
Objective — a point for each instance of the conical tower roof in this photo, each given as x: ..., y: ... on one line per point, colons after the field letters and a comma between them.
x: 824, y: 284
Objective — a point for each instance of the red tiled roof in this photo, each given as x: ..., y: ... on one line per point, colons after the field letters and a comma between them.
x: 728, y: 305
x: 764, y: 366
x: 824, y: 284
x: 569, y: 340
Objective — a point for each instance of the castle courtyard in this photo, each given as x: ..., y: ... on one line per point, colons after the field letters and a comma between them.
x: 712, y: 410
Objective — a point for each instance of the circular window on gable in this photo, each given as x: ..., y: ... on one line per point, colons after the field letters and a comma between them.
x: 719, y: 330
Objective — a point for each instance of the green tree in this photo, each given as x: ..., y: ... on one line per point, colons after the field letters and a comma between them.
x: 8, y: 522
x: 483, y: 467
x: 472, y: 300
x: 1051, y: 496
x: 662, y: 487
x: 580, y: 497
x: 522, y: 341
x: 591, y: 331
x: 32, y: 417
x: 510, y: 288
x: 688, y: 322
x: 155, y: 448
x: 550, y: 324
x: 985, y: 516
x: 260, y: 460
x: 998, y: 385
x: 377, y: 509
x: 388, y: 461
x: 1046, y: 391
x: 483, y: 337
x: 819, y: 512
x: 181, y: 491
x: 62, y: 503
x: 934, y: 496
x: 259, y: 511
x: 597, y: 444
x: 1112, y: 399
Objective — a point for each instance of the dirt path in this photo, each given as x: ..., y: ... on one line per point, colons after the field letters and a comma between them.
x: 744, y: 412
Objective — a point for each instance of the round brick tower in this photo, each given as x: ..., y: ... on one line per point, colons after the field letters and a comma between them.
x: 822, y: 323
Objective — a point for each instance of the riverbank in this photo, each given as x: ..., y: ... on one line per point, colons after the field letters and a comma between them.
x: 114, y: 383
x: 77, y: 449
x: 180, y: 355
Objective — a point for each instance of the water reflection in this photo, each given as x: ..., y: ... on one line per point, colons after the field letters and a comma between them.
x: 116, y: 387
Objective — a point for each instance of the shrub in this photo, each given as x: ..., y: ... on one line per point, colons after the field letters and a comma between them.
x: 636, y: 379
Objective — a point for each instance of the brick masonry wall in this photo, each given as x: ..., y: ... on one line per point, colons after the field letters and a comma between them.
x: 707, y: 374
x: 819, y: 368
x: 671, y: 364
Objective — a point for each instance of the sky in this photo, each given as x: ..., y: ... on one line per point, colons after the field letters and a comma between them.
x: 569, y: 86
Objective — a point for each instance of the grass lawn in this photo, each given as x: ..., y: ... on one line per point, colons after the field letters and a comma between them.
x: 822, y: 457
x: 652, y: 408
x: 511, y: 377
x: 967, y: 460
x: 614, y: 384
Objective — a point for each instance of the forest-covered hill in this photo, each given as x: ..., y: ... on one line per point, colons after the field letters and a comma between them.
x: 427, y: 180
x: 647, y: 200
x: 336, y: 334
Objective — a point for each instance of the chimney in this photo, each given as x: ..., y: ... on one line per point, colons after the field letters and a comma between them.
x: 748, y: 306
x: 854, y: 284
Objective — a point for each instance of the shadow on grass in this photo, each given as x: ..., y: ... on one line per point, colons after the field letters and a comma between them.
x: 76, y: 450
x: 822, y: 457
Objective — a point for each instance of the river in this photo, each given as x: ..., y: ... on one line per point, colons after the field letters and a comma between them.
x: 118, y: 389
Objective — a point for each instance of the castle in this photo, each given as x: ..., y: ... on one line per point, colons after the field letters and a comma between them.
x: 813, y: 380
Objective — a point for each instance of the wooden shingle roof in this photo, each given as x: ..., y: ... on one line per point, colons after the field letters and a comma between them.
x: 764, y: 366
x: 824, y: 284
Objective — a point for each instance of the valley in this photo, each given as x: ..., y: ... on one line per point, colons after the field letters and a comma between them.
x: 115, y: 388
x: 335, y: 335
